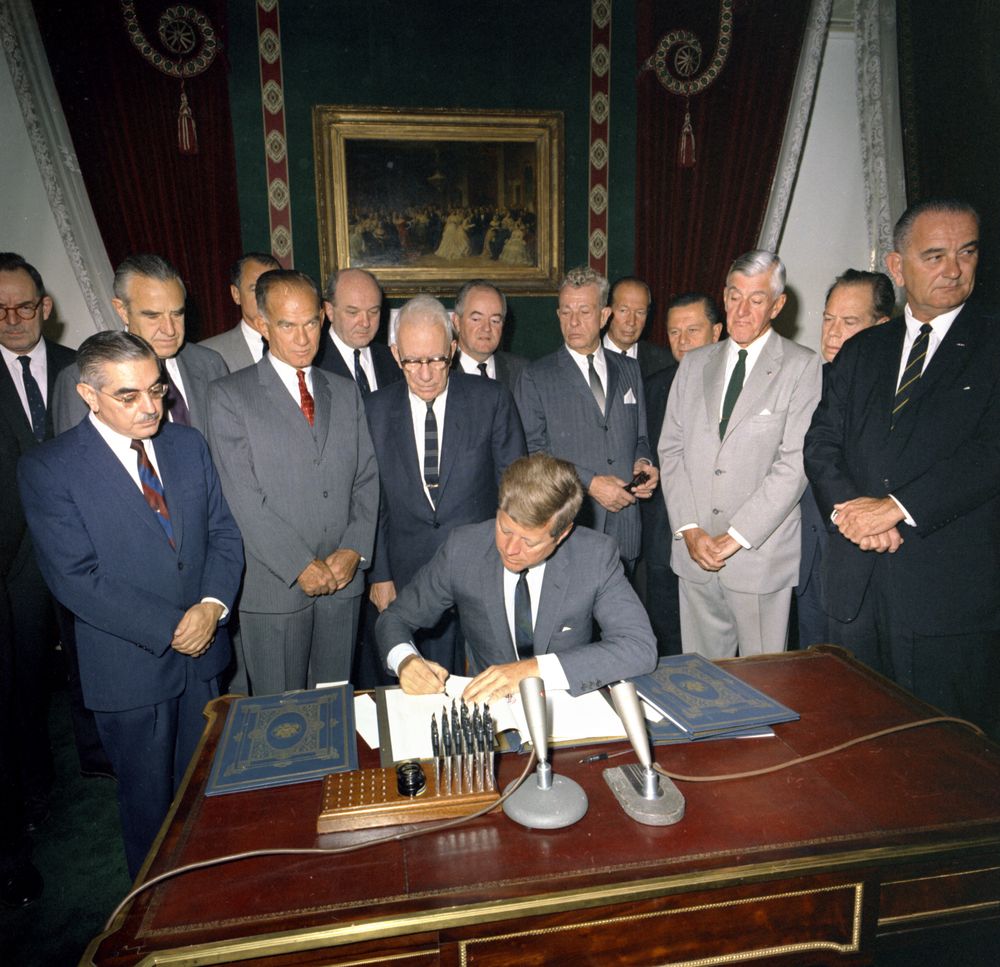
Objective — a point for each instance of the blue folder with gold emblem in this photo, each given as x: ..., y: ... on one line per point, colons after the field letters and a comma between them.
x: 702, y: 698
x: 277, y: 740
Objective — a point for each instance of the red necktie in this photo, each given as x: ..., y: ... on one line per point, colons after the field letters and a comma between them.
x: 305, y: 398
x: 152, y: 489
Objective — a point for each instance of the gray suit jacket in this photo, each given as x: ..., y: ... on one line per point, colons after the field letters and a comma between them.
x: 232, y: 347
x: 198, y: 366
x: 753, y: 478
x: 583, y: 583
x: 297, y: 492
x: 561, y: 417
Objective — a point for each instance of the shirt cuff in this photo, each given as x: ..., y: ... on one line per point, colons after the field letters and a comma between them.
x: 906, y: 517
x: 551, y: 671
x: 680, y: 530
x: 395, y: 657
x: 225, y: 610
x: 740, y: 539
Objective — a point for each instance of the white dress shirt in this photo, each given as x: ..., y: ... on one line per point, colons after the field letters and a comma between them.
x: 469, y: 364
x: 612, y: 347
x: 290, y: 379
x: 175, y: 374
x: 365, y: 357
x: 39, y: 369
x: 600, y: 364
x: 550, y: 668
x: 253, y: 339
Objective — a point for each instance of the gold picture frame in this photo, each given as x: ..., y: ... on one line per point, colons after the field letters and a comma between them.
x: 427, y: 199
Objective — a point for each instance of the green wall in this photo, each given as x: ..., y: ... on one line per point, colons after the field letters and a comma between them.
x: 489, y: 54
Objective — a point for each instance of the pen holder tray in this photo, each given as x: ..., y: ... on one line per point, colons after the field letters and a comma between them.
x: 368, y: 798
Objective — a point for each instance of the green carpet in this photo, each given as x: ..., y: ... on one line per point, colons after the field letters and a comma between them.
x: 79, y: 854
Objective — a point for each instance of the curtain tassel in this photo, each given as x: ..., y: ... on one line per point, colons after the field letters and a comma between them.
x: 685, y: 153
x: 187, y: 132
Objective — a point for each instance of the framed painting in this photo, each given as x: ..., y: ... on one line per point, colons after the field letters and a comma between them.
x: 428, y: 199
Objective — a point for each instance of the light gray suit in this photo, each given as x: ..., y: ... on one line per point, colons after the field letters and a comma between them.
x: 561, y: 417
x: 232, y: 347
x: 198, y: 366
x: 750, y: 481
x: 298, y: 493
x: 583, y: 583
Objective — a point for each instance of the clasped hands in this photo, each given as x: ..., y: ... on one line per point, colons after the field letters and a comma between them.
x: 418, y: 676
x: 709, y: 553
x: 195, y: 632
x: 609, y: 491
x: 870, y: 522
x: 331, y: 574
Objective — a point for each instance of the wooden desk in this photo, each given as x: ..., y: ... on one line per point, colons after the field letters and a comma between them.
x: 819, y: 864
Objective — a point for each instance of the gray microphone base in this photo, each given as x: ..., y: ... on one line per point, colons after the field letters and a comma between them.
x: 626, y: 783
x: 562, y: 804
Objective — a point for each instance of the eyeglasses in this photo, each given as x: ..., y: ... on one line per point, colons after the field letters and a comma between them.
x: 131, y: 398
x: 434, y: 363
x: 26, y: 310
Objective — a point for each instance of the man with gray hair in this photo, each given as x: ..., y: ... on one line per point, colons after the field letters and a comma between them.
x: 149, y: 299
x: 478, y: 319
x: 731, y: 458
x: 442, y: 440
x: 585, y: 405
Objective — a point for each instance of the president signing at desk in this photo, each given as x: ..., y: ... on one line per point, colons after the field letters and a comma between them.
x: 529, y: 588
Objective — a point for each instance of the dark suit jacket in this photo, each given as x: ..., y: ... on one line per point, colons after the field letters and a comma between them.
x: 656, y: 537
x: 561, y: 417
x: 942, y: 462
x: 387, y: 370
x: 814, y: 531
x: 584, y: 583
x: 654, y: 359
x: 199, y: 367
x: 106, y: 558
x: 482, y: 435
x: 508, y: 367
x: 23, y: 439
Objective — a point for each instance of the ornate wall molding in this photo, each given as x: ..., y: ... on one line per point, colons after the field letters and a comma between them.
x: 600, y: 118
x: 56, y: 159
x: 272, y: 99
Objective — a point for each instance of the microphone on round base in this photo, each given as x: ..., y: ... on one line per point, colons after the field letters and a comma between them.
x: 548, y: 801
x: 643, y: 793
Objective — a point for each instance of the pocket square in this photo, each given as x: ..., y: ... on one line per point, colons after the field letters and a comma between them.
x: 629, y: 396
x: 565, y: 628
x: 765, y: 412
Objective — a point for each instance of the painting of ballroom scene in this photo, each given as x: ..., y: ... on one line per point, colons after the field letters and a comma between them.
x: 442, y: 204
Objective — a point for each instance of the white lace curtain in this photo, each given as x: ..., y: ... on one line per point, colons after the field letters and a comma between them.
x: 56, y: 159
x: 878, y: 112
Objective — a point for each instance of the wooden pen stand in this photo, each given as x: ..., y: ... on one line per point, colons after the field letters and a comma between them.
x: 368, y: 798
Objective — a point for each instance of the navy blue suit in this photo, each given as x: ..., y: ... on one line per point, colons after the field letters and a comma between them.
x: 482, y: 435
x: 105, y: 556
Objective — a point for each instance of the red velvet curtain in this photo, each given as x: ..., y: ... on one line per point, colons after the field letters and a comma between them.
x: 691, y: 222
x: 123, y: 115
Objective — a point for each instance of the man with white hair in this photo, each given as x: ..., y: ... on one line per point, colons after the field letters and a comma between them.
x: 731, y: 459
x: 442, y: 440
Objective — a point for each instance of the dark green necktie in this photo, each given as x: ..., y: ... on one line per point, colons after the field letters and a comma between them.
x: 733, y: 391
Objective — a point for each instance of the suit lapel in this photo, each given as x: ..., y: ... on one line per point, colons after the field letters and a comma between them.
x: 493, y: 598
x: 170, y: 474
x: 763, y: 374
x: 713, y: 376
x: 578, y: 381
x: 950, y: 357
x: 123, y: 492
x: 550, y: 607
x: 193, y: 386
x: 13, y: 411
x: 280, y: 400
x: 323, y: 401
x: 611, y: 390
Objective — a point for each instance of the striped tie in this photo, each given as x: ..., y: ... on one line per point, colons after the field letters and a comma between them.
x: 34, y: 395
x: 914, y: 367
x: 360, y: 376
x: 152, y: 490
x: 431, y: 452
